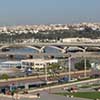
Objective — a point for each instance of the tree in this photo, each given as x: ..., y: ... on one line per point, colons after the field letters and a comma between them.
x: 80, y: 65
x: 4, y: 76
x: 54, y: 66
x: 53, y: 70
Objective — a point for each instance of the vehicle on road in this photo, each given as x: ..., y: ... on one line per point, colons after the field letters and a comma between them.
x: 71, y: 89
x: 63, y: 80
x: 97, y: 89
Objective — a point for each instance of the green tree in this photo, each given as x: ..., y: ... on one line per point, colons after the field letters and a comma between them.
x: 54, y: 66
x: 4, y: 76
x: 53, y: 70
x: 80, y: 65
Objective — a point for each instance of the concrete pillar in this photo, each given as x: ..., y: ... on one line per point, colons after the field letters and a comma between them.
x: 64, y: 50
x: 42, y: 50
x: 26, y: 86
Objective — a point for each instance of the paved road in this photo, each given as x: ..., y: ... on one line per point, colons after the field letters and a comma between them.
x: 73, y: 55
x: 44, y: 95
x: 47, y: 96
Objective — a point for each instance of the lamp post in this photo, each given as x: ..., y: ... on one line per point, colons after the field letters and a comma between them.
x: 45, y: 68
x: 11, y: 38
x: 85, y: 67
x: 85, y: 63
x: 69, y: 67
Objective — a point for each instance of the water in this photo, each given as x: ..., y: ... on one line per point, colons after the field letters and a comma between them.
x: 26, y: 50
x: 30, y: 50
x: 48, y: 50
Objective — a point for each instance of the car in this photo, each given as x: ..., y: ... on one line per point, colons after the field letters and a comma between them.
x: 97, y: 89
x: 4, y: 89
x: 28, y: 71
x: 95, y: 76
x: 72, y: 89
x: 63, y: 80
x: 5, y: 49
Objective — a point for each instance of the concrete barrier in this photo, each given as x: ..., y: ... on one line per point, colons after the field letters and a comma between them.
x: 18, y: 96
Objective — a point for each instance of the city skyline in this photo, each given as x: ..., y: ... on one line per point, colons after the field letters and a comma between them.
x: 23, y: 12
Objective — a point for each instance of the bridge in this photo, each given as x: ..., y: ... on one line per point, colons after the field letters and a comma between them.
x: 55, y: 55
x: 63, y: 47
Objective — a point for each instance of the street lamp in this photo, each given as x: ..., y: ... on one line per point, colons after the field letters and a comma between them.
x: 69, y: 67
x: 85, y: 62
x: 45, y: 68
x: 85, y: 67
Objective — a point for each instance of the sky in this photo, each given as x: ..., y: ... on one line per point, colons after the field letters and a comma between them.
x: 22, y: 12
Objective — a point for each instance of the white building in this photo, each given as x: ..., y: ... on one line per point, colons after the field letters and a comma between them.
x: 37, y: 63
x: 88, y: 40
x: 10, y: 66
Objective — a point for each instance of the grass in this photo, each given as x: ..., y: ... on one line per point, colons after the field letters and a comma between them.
x: 85, y: 86
x: 89, y: 85
x: 88, y: 95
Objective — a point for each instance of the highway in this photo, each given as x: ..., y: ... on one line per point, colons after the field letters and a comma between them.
x: 32, y: 79
x: 66, y: 85
x: 73, y: 55
x: 85, y: 54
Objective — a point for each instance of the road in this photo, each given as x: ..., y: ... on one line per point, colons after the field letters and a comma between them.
x: 47, y: 94
x: 31, y: 79
x: 44, y: 96
x: 49, y: 88
x: 73, y: 55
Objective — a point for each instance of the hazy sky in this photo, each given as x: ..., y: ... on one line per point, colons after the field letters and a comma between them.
x: 14, y: 12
